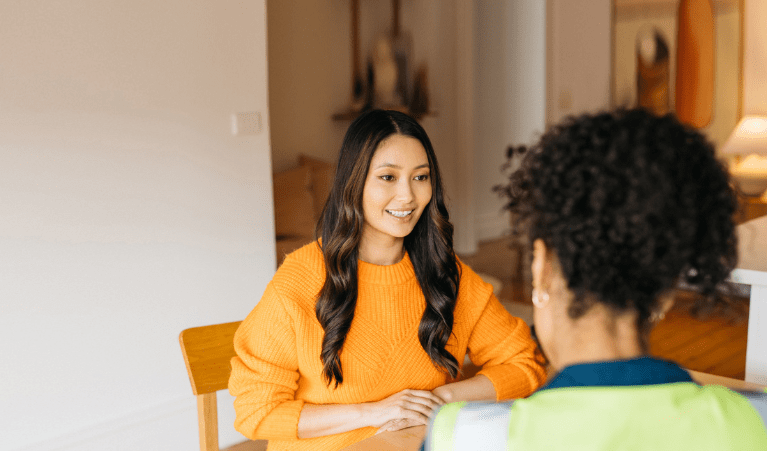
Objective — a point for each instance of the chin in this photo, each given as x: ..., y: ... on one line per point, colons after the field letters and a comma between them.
x: 400, y: 234
x: 402, y: 230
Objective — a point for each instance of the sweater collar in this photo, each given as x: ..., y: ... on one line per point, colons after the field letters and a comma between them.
x: 395, y: 274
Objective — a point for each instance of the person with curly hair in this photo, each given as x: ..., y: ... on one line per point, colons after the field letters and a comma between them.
x: 620, y: 207
x: 366, y: 329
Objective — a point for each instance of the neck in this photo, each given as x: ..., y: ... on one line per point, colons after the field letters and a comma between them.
x: 382, y: 253
x: 599, y: 335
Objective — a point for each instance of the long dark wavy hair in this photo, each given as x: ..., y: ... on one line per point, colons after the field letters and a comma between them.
x: 429, y: 245
x: 631, y: 204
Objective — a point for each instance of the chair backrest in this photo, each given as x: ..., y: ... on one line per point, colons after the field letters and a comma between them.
x: 207, y: 352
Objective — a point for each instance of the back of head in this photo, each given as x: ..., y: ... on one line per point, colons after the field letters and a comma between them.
x: 631, y: 204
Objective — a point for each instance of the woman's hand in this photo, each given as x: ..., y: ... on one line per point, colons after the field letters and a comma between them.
x: 477, y: 388
x: 405, y: 409
x: 444, y: 392
x: 400, y: 410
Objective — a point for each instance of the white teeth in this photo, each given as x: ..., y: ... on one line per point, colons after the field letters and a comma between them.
x: 399, y: 214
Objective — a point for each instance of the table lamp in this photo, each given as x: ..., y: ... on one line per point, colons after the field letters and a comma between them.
x: 748, y: 142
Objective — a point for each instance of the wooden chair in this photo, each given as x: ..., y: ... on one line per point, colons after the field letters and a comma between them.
x: 207, y: 351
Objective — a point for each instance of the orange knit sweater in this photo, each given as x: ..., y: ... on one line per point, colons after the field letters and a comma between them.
x: 278, y: 369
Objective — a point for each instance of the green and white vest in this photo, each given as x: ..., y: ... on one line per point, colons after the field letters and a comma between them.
x: 674, y: 417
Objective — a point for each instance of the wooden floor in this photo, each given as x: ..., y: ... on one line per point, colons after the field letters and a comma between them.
x: 713, y: 345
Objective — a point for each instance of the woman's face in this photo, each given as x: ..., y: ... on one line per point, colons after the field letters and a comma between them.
x: 397, y: 189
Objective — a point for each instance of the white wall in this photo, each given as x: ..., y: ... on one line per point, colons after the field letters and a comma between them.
x: 309, y: 73
x: 511, y: 96
x: 755, y: 58
x: 578, y: 56
x: 130, y: 212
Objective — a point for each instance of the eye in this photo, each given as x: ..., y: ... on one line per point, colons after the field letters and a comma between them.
x: 422, y: 178
x: 386, y: 178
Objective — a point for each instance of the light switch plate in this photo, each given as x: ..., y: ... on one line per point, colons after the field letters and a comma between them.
x: 247, y: 123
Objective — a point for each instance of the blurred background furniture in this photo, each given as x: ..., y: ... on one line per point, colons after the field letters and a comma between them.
x: 207, y: 351
x: 705, y: 46
x: 299, y: 196
x: 746, y: 150
x: 751, y: 207
x: 747, y: 146
x: 752, y: 270
x: 389, y: 79
x: 695, y: 62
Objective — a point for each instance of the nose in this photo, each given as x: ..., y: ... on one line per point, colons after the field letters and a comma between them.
x: 405, y: 191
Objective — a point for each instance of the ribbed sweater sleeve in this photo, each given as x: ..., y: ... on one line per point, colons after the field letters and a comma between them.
x: 265, y: 372
x: 499, y: 342
x: 502, y: 345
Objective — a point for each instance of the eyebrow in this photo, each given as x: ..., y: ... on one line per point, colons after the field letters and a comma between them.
x: 394, y: 166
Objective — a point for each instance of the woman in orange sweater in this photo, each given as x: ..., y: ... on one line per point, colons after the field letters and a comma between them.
x: 366, y: 329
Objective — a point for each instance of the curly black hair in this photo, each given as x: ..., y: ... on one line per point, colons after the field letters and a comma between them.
x: 632, y: 204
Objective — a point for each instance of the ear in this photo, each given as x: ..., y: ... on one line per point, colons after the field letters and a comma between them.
x: 539, y: 262
x: 665, y: 304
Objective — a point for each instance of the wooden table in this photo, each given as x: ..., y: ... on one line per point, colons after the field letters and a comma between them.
x: 410, y: 439
x: 752, y: 270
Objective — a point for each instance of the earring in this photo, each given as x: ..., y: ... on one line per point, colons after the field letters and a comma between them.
x: 540, y: 298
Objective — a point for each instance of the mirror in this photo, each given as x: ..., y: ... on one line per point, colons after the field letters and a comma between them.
x: 649, y: 27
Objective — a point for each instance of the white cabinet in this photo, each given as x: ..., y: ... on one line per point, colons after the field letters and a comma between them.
x: 752, y: 270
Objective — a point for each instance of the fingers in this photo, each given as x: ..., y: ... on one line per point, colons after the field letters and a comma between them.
x: 417, y: 405
x: 423, y: 397
x: 396, y: 425
x: 421, y: 408
x: 428, y: 395
x: 406, y: 408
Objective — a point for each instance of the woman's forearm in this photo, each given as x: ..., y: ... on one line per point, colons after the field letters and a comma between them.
x: 403, y: 409
x: 411, y: 406
x: 476, y: 388
x: 319, y: 420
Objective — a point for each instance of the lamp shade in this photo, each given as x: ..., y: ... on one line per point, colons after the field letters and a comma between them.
x: 749, y: 137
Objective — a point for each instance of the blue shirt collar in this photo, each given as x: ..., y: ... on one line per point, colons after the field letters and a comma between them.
x: 640, y: 371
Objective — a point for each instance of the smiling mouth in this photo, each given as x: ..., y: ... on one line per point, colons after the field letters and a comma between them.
x: 400, y: 214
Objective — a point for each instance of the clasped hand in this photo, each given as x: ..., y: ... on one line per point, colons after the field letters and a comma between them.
x: 405, y: 409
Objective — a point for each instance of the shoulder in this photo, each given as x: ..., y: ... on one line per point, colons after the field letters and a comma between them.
x: 472, y: 425
x: 307, y: 256
x: 471, y: 282
x: 746, y: 401
x: 473, y: 291
x: 304, y: 261
x: 301, y: 276
x: 758, y: 402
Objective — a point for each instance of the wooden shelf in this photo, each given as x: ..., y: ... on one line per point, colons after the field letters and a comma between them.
x: 350, y: 115
x: 420, y: 91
